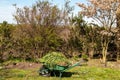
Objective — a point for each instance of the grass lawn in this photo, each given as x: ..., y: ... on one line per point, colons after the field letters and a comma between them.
x: 78, y: 73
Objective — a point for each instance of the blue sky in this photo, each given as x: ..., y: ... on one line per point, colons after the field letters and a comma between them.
x: 7, y: 10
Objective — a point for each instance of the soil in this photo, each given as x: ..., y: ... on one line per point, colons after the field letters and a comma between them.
x: 91, y: 63
x: 98, y: 63
x: 23, y: 65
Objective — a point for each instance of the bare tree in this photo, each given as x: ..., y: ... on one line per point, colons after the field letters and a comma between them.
x: 104, y: 13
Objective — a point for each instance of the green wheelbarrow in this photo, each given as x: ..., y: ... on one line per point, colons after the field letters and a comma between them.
x: 46, y: 70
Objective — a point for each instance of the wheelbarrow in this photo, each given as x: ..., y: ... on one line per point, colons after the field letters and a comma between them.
x: 46, y: 70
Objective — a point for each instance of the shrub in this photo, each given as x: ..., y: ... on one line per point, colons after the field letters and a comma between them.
x: 85, y: 57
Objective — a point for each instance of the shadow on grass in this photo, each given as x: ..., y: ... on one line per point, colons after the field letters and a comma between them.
x: 64, y: 74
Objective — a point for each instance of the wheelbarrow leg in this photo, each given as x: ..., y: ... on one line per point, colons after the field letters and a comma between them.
x: 54, y: 74
x: 60, y: 75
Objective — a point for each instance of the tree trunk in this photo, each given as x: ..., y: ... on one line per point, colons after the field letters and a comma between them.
x: 104, y: 52
x: 91, y: 49
x: 118, y: 50
x: 91, y: 52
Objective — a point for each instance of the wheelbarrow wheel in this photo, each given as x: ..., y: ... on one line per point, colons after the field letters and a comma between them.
x: 44, y: 72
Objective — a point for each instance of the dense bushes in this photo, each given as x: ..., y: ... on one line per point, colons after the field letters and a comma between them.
x: 5, y: 40
x: 44, y: 28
